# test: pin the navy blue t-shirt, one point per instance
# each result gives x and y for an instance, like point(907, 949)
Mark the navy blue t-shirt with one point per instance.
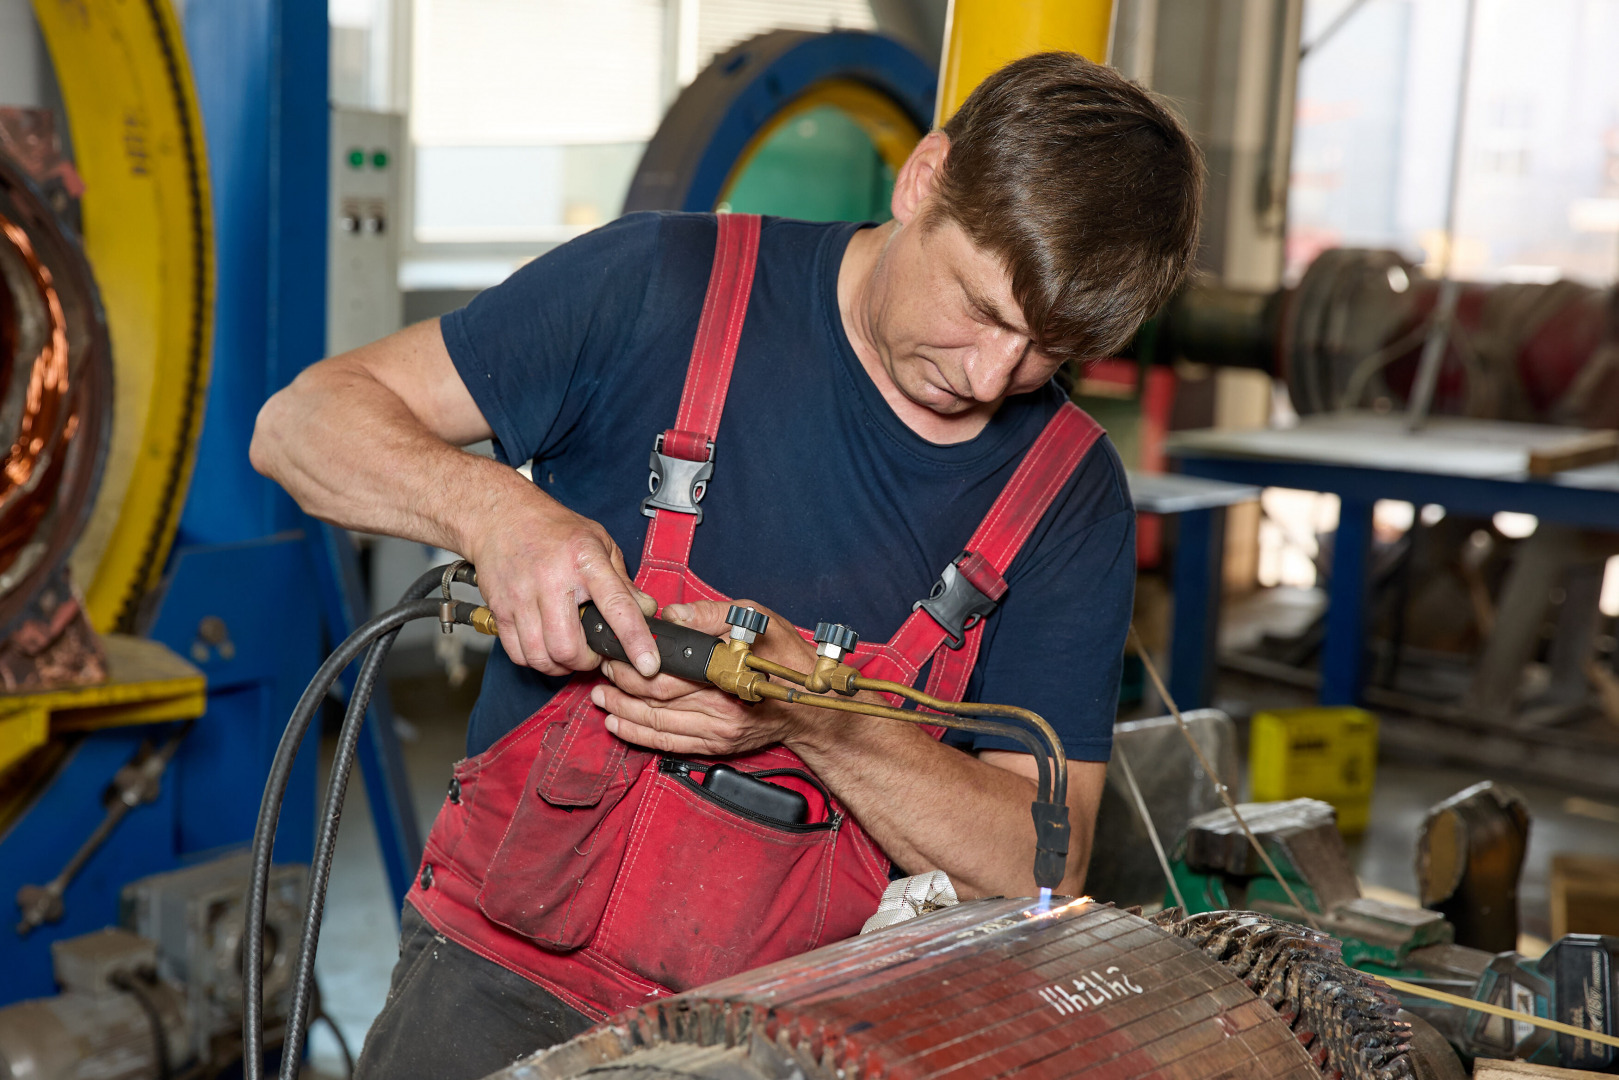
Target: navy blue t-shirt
point(824, 506)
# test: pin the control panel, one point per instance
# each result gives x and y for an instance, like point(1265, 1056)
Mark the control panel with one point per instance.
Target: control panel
point(363, 301)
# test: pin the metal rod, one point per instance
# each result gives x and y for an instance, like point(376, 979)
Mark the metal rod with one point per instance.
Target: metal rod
point(1345, 13)
point(1219, 785)
point(1059, 759)
point(1497, 1010)
point(1152, 830)
point(780, 671)
point(1433, 350)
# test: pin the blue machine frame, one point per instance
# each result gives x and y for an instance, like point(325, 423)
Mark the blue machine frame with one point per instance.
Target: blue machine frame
point(244, 552)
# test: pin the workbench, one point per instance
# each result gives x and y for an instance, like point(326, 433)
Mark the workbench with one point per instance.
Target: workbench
point(1199, 505)
point(1467, 466)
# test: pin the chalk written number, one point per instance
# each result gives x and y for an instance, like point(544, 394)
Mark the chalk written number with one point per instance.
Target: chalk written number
point(1090, 989)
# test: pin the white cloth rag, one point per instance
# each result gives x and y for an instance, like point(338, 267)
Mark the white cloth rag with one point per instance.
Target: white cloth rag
point(909, 897)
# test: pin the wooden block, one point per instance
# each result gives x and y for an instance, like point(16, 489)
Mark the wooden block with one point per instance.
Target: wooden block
point(1488, 1069)
point(1576, 452)
point(1584, 895)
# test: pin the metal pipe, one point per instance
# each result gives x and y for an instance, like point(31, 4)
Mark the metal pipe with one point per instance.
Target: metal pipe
point(1433, 350)
point(975, 708)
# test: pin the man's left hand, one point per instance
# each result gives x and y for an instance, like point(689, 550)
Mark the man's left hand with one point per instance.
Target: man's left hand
point(675, 716)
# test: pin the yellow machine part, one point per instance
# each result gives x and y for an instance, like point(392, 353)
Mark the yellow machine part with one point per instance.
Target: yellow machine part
point(1321, 752)
point(892, 133)
point(984, 35)
point(138, 145)
point(24, 727)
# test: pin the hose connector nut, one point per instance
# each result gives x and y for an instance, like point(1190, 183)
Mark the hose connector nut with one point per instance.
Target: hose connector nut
point(483, 621)
point(446, 616)
point(833, 640)
point(746, 623)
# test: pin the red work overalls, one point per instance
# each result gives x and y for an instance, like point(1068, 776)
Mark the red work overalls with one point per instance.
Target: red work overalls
point(603, 871)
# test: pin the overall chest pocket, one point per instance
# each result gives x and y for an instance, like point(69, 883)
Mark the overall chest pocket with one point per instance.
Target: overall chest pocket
point(552, 873)
point(709, 888)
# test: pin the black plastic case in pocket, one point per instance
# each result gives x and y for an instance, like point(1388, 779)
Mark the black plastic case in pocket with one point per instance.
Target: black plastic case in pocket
point(765, 799)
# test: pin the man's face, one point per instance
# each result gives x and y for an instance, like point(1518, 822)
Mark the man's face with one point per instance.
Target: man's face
point(945, 324)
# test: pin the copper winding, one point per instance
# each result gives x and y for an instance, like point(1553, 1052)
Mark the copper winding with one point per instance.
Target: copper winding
point(49, 417)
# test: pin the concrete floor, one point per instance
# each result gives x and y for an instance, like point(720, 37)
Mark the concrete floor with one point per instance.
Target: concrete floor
point(358, 944)
point(360, 936)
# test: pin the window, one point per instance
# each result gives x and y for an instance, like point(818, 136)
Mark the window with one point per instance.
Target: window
point(1539, 191)
point(528, 117)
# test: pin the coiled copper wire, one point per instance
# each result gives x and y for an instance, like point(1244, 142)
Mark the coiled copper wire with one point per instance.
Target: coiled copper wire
point(49, 419)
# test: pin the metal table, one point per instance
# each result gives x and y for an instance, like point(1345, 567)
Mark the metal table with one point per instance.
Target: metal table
point(1466, 466)
point(1200, 506)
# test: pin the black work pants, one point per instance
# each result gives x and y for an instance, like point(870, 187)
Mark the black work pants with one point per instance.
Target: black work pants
point(452, 1015)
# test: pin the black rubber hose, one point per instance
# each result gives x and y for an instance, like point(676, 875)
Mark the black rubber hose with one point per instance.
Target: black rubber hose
point(137, 987)
point(342, 1043)
point(275, 789)
point(348, 741)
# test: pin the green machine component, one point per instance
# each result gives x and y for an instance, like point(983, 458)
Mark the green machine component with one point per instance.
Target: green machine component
point(1216, 867)
point(1576, 982)
point(792, 124)
point(818, 166)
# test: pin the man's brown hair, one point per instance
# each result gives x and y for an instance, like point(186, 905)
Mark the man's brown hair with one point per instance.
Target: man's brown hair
point(1085, 187)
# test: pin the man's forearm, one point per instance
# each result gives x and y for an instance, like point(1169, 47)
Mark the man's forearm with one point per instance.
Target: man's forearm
point(930, 806)
point(371, 440)
point(351, 452)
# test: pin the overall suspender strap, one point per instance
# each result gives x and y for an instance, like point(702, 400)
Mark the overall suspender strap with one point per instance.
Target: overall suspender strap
point(683, 456)
point(1068, 437)
point(948, 625)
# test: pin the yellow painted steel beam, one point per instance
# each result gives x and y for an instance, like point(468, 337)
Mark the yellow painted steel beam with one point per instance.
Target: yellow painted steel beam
point(984, 35)
point(148, 231)
point(147, 683)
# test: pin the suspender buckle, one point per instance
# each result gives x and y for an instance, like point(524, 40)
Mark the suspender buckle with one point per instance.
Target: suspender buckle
point(965, 594)
point(677, 483)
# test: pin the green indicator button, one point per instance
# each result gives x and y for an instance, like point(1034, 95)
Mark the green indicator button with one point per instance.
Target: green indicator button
point(356, 158)
point(379, 159)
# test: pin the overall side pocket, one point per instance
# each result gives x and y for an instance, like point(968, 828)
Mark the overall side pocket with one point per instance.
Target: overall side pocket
point(553, 871)
point(709, 890)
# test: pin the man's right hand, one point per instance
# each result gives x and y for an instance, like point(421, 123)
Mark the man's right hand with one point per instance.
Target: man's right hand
point(537, 563)
point(368, 440)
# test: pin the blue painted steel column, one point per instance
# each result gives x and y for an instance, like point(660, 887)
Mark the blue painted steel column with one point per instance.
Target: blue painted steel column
point(1343, 654)
point(1194, 635)
point(261, 71)
point(260, 68)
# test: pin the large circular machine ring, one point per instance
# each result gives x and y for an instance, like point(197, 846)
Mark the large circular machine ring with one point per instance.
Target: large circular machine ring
point(749, 93)
point(138, 145)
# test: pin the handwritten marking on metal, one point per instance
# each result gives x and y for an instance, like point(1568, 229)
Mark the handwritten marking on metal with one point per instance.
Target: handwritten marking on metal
point(924, 941)
point(1092, 988)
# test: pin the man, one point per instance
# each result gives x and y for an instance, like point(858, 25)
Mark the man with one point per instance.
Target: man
point(863, 412)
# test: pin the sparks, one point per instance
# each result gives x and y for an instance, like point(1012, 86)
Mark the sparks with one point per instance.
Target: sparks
point(1044, 910)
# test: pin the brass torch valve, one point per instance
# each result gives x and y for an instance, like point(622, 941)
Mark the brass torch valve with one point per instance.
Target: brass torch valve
point(728, 665)
point(833, 641)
